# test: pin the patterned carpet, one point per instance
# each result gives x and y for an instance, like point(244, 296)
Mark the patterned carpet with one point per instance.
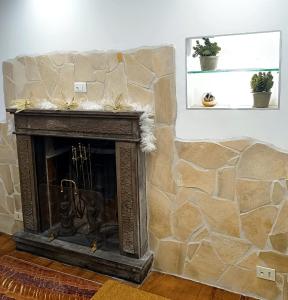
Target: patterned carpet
point(23, 280)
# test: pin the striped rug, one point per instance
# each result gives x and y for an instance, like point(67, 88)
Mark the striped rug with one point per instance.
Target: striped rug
point(23, 280)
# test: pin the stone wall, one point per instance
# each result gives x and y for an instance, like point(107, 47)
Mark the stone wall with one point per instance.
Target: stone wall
point(216, 209)
point(10, 201)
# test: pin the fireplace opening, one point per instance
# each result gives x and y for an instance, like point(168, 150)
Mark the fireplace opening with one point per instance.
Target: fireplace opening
point(76, 183)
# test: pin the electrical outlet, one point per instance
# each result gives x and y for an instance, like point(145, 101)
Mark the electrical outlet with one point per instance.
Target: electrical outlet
point(18, 216)
point(265, 273)
point(80, 87)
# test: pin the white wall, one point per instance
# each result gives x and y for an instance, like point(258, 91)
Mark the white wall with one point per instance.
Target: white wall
point(37, 26)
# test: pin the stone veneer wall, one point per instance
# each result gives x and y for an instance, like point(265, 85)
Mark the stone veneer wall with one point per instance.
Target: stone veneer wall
point(216, 209)
point(10, 201)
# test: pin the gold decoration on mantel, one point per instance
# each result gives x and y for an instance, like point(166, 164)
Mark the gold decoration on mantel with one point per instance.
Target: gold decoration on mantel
point(63, 104)
point(23, 103)
point(117, 105)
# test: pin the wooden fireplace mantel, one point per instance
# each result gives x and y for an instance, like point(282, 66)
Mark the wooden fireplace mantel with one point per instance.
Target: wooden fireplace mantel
point(134, 259)
point(120, 126)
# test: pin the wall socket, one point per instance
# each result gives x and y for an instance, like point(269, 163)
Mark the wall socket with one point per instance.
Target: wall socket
point(265, 273)
point(80, 87)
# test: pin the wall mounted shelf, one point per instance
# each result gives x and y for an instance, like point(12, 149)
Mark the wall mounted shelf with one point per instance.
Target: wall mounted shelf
point(234, 70)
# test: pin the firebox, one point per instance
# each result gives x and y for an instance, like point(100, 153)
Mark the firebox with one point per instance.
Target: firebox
point(82, 178)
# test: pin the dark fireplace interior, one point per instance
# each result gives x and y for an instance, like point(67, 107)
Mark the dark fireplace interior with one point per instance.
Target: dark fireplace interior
point(77, 194)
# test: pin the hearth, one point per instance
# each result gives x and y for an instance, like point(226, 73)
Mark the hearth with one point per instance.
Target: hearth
point(83, 190)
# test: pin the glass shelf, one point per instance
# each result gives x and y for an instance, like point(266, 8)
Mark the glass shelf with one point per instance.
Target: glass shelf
point(235, 70)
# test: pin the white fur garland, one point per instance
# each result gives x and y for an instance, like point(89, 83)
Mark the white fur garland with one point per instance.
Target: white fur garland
point(147, 132)
point(146, 122)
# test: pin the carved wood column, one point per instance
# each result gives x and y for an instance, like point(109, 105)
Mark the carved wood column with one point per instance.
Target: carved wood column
point(132, 213)
point(28, 184)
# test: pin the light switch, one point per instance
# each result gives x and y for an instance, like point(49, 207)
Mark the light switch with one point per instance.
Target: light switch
point(80, 87)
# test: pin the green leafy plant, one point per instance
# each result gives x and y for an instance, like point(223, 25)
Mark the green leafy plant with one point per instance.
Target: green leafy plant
point(262, 82)
point(208, 49)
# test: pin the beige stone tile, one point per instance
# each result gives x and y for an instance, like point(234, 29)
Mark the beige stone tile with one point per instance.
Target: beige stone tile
point(8, 69)
point(31, 68)
point(116, 83)
point(189, 176)
point(136, 73)
point(257, 224)
point(163, 61)
point(7, 223)
point(238, 145)
point(95, 91)
point(140, 95)
point(200, 234)
point(9, 91)
point(7, 155)
point(165, 100)
point(205, 154)
point(275, 260)
point(98, 59)
point(5, 175)
point(112, 61)
point(281, 225)
point(226, 183)
point(10, 205)
point(153, 242)
point(250, 261)
point(165, 145)
point(264, 289)
point(84, 70)
point(37, 90)
point(191, 249)
point(205, 265)
point(15, 174)
point(160, 174)
point(19, 77)
point(245, 281)
point(159, 60)
point(61, 58)
point(235, 279)
point(229, 249)
point(18, 226)
point(222, 216)
point(278, 193)
point(233, 161)
point(186, 219)
point(17, 188)
point(159, 213)
point(17, 201)
point(145, 57)
point(100, 75)
point(65, 84)
point(279, 241)
point(170, 256)
point(262, 162)
point(48, 73)
point(252, 194)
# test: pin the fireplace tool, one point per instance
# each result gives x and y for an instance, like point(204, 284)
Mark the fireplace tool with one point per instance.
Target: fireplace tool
point(82, 168)
point(78, 204)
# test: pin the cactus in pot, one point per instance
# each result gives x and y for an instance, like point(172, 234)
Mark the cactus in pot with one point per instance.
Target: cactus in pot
point(261, 85)
point(207, 53)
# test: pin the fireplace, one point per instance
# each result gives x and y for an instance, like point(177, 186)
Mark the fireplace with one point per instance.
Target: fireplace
point(83, 187)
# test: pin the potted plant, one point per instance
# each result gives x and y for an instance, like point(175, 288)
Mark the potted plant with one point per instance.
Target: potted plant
point(261, 85)
point(207, 53)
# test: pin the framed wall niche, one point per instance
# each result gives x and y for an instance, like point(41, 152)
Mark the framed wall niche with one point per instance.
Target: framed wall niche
point(228, 80)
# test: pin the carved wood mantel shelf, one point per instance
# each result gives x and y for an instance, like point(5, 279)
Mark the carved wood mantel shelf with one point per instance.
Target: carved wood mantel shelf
point(134, 260)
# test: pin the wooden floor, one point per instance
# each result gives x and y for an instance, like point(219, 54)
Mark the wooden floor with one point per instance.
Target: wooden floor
point(168, 286)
